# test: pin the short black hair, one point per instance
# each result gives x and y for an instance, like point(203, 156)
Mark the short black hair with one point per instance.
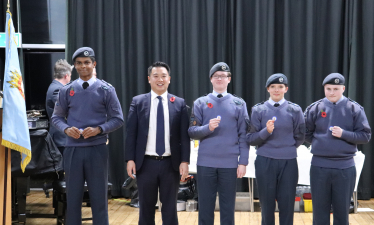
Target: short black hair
point(158, 64)
point(91, 57)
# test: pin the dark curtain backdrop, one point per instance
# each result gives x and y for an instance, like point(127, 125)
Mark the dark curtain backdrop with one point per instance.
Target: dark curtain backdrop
point(304, 39)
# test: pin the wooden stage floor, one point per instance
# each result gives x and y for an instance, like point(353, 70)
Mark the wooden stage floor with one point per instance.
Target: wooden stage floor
point(122, 214)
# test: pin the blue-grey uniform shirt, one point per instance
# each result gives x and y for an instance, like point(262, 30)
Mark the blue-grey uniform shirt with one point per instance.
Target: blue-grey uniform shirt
point(288, 133)
point(329, 151)
point(222, 147)
point(98, 105)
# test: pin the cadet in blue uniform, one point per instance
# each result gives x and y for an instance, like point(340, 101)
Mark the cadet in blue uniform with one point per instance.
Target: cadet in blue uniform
point(334, 127)
point(219, 120)
point(277, 128)
point(92, 110)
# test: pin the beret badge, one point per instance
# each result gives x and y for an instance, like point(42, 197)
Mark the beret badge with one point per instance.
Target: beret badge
point(281, 79)
point(86, 53)
point(223, 67)
point(337, 81)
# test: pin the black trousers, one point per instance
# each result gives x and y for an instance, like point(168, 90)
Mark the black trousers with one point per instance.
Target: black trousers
point(152, 176)
point(86, 164)
point(61, 149)
point(276, 180)
point(331, 187)
point(210, 181)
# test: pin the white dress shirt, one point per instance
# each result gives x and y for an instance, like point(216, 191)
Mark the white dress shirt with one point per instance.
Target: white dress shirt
point(335, 103)
point(151, 142)
point(216, 93)
point(273, 102)
point(90, 81)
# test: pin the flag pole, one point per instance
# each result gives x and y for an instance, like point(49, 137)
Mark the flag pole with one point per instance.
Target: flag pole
point(5, 181)
point(5, 186)
point(6, 215)
point(5, 176)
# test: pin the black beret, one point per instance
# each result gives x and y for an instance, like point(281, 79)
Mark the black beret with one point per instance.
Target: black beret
point(334, 78)
point(277, 78)
point(221, 66)
point(83, 52)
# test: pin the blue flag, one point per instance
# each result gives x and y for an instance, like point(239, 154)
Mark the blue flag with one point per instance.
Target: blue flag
point(15, 127)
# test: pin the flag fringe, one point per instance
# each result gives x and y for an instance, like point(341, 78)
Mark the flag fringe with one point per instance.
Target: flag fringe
point(20, 149)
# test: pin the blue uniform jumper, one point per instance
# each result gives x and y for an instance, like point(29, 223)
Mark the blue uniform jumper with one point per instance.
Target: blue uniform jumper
point(276, 164)
point(218, 154)
point(333, 171)
point(87, 159)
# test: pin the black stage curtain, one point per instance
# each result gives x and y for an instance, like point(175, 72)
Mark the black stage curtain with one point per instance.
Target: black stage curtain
point(304, 39)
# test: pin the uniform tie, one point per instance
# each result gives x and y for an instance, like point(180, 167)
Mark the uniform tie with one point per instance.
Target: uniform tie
point(276, 104)
point(219, 96)
point(160, 132)
point(85, 85)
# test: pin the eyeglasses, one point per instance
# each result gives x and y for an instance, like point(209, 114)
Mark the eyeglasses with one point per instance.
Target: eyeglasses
point(220, 77)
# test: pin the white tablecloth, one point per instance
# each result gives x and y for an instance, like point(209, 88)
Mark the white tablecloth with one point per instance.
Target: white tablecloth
point(303, 161)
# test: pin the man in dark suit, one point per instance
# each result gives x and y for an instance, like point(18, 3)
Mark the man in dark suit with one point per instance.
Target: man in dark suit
point(158, 146)
point(62, 75)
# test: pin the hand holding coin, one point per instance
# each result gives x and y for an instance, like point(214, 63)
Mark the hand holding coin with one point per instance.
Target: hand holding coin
point(213, 123)
point(337, 131)
point(270, 126)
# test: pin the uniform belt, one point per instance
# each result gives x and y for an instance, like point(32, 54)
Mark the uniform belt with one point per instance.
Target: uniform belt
point(156, 157)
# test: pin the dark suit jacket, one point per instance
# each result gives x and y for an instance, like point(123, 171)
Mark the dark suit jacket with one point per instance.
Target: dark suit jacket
point(138, 124)
point(58, 136)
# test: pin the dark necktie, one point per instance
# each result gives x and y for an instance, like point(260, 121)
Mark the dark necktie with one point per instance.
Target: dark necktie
point(276, 104)
point(160, 132)
point(219, 96)
point(85, 85)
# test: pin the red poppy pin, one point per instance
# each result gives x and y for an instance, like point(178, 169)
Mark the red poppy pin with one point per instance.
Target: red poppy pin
point(210, 105)
point(71, 91)
point(172, 99)
point(323, 113)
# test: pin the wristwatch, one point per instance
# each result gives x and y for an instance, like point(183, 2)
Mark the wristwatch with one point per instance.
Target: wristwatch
point(101, 129)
